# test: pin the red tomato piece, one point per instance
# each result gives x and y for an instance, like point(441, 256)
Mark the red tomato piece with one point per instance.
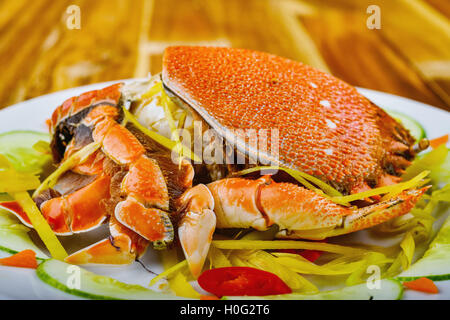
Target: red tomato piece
point(241, 281)
point(311, 255)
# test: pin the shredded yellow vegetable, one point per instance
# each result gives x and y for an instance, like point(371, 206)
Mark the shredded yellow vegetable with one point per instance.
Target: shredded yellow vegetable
point(371, 259)
point(167, 104)
point(16, 185)
point(182, 287)
point(158, 87)
point(404, 258)
point(265, 261)
point(169, 258)
point(284, 244)
point(430, 161)
point(408, 247)
point(396, 188)
point(4, 163)
point(413, 183)
point(169, 144)
point(301, 265)
point(182, 120)
point(442, 194)
point(40, 225)
point(218, 259)
point(169, 272)
point(42, 147)
point(173, 128)
point(175, 275)
point(77, 158)
point(13, 181)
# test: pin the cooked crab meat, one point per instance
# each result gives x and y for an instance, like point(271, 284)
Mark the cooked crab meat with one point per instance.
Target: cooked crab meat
point(326, 129)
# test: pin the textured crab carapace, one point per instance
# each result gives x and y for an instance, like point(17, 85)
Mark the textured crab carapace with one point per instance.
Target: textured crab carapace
point(326, 129)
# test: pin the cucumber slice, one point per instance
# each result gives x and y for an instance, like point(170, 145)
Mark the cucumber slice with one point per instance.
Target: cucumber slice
point(435, 263)
point(17, 147)
point(93, 286)
point(14, 241)
point(415, 129)
point(389, 290)
point(14, 236)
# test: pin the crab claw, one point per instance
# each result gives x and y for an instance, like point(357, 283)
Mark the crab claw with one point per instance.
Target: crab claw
point(197, 226)
point(370, 216)
point(151, 223)
point(363, 218)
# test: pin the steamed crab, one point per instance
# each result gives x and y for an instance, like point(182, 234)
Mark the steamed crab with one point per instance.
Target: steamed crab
point(326, 129)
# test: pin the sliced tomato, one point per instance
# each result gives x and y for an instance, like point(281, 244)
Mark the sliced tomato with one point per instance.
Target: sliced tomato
point(241, 281)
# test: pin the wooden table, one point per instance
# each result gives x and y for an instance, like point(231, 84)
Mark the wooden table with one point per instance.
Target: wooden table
point(409, 55)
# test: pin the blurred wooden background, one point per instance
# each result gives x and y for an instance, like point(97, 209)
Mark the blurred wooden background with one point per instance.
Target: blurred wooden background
point(409, 56)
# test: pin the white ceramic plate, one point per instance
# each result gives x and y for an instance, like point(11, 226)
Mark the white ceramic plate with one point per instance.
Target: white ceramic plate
point(16, 283)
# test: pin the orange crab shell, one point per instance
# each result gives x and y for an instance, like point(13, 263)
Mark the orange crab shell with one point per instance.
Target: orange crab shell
point(75, 104)
point(326, 128)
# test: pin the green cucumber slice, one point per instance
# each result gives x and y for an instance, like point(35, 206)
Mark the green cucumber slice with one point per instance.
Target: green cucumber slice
point(14, 241)
point(17, 147)
point(415, 129)
point(389, 290)
point(14, 236)
point(92, 286)
point(435, 263)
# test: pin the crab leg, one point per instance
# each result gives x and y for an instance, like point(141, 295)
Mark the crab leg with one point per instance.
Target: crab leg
point(144, 185)
point(197, 226)
point(299, 213)
point(123, 247)
point(362, 218)
point(138, 215)
point(141, 216)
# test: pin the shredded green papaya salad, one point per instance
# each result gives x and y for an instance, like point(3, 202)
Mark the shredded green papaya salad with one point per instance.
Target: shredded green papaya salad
point(245, 263)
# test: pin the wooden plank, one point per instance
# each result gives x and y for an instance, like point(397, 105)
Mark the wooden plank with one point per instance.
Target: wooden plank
point(10, 11)
point(121, 39)
point(387, 59)
point(422, 36)
point(442, 6)
point(264, 25)
point(104, 49)
point(20, 43)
